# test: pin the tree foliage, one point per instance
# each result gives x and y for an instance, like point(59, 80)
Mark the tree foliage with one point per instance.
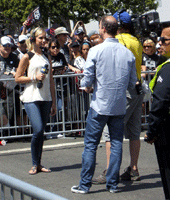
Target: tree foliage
point(15, 12)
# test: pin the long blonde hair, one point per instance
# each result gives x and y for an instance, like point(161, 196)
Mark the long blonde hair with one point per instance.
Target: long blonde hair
point(34, 33)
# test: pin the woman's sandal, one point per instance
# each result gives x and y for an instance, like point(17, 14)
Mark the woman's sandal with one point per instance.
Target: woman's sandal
point(34, 170)
point(43, 169)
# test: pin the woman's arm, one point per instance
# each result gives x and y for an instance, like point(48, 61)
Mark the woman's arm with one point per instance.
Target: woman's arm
point(74, 69)
point(74, 29)
point(143, 68)
point(83, 26)
point(24, 31)
point(23, 65)
point(52, 89)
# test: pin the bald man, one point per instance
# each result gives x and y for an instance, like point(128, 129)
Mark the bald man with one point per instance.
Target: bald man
point(134, 100)
point(110, 68)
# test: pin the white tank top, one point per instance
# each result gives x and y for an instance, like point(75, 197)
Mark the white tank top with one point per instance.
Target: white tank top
point(31, 92)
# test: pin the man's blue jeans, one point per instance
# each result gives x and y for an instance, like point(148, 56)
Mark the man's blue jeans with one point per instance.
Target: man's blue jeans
point(94, 127)
point(38, 114)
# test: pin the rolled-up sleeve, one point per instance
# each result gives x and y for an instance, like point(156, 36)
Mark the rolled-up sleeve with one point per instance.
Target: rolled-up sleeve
point(89, 69)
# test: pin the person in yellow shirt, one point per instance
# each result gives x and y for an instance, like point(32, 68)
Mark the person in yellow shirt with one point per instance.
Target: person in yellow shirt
point(133, 44)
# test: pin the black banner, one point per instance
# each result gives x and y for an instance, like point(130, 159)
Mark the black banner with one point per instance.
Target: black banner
point(33, 17)
point(51, 30)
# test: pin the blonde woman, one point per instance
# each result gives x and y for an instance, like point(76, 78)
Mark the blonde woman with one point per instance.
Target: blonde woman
point(39, 94)
point(150, 60)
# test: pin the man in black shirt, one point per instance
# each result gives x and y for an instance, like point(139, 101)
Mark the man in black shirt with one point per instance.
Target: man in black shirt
point(8, 64)
point(159, 117)
point(22, 47)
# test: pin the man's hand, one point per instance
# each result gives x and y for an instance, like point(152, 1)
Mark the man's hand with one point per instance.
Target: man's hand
point(149, 141)
point(88, 89)
point(53, 109)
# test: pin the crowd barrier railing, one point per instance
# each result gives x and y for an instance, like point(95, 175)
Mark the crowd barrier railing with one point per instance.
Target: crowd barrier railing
point(147, 101)
point(72, 108)
point(12, 188)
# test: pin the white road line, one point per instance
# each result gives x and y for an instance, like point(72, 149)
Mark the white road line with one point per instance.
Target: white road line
point(48, 147)
point(44, 147)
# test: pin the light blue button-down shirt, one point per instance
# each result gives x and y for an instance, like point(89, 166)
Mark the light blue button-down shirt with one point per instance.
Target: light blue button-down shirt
point(110, 68)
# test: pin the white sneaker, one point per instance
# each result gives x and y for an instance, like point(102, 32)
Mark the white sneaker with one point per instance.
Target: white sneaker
point(113, 190)
point(78, 190)
point(60, 135)
point(49, 137)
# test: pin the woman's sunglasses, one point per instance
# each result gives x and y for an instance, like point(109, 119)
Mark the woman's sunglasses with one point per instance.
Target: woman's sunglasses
point(147, 46)
point(53, 47)
point(162, 39)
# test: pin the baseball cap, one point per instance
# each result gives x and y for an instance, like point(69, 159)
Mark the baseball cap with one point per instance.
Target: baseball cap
point(15, 36)
point(22, 38)
point(78, 31)
point(75, 43)
point(6, 40)
point(92, 32)
point(124, 17)
point(60, 30)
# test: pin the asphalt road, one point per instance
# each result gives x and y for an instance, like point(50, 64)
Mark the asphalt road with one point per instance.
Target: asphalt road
point(63, 157)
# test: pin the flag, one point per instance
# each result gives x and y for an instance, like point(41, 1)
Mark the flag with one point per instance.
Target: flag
point(51, 30)
point(33, 17)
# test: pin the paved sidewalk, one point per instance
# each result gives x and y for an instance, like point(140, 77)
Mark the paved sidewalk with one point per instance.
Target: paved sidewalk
point(63, 157)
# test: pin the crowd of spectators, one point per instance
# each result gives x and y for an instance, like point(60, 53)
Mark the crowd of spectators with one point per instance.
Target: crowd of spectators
point(68, 53)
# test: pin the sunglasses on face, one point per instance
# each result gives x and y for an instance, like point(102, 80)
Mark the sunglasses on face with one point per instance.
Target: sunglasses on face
point(147, 46)
point(22, 42)
point(53, 47)
point(6, 45)
point(162, 39)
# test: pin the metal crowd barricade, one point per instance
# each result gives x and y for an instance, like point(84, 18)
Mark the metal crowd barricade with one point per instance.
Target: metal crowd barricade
point(72, 108)
point(12, 188)
point(147, 101)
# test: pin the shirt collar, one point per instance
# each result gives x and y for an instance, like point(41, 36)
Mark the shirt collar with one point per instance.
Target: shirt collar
point(111, 40)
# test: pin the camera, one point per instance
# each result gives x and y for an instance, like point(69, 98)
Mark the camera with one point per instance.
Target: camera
point(146, 23)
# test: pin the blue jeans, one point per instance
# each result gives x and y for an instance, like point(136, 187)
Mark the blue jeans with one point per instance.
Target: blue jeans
point(94, 127)
point(38, 114)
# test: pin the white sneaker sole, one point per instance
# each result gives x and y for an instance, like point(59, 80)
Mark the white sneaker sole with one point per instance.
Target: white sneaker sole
point(78, 191)
point(114, 191)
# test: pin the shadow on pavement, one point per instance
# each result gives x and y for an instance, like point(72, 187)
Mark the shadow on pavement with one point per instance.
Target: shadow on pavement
point(57, 169)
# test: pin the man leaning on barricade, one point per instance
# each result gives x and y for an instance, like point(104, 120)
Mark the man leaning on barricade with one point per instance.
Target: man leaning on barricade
point(8, 64)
